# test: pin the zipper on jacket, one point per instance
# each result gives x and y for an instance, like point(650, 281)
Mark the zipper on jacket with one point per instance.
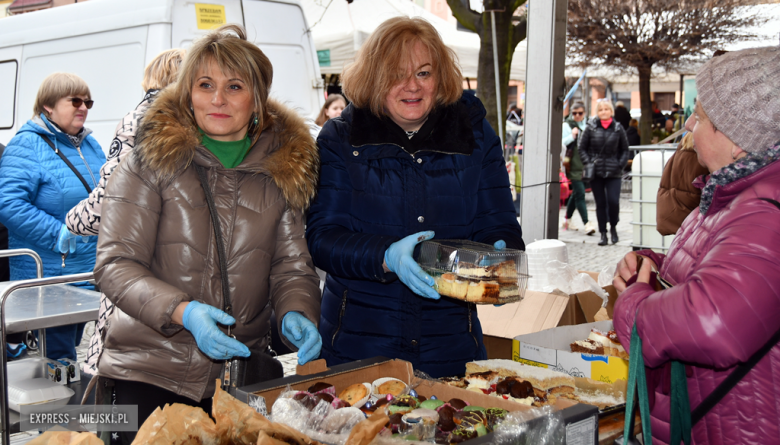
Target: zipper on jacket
point(404, 150)
point(94, 183)
point(476, 343)
point(341, 316)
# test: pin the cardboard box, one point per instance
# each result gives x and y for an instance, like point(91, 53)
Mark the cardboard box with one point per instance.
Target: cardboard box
point(341, 376)
point(536, 312)
point(550, 349)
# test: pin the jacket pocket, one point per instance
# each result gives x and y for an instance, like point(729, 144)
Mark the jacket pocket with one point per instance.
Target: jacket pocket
point(341, 317)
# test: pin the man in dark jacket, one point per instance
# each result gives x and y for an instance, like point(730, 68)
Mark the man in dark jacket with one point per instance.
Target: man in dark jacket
point(622, 114)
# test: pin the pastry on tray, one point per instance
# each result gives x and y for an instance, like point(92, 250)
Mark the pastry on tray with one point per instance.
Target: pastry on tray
point(354, 393)
point(394, 387)
point(551, 382)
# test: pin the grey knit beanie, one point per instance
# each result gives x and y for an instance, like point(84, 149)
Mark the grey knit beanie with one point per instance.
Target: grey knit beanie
point(740, 93)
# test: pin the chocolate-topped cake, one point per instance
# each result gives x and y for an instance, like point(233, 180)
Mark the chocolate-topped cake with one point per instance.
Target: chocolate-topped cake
point(319, 386)
point(495, 415)
point(462, 435)
point(521, 390)
point(306, 400)
point(446, 413)
point(457, 403)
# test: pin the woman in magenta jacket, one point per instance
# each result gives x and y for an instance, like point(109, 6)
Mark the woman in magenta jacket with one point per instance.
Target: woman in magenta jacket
point(724, 262)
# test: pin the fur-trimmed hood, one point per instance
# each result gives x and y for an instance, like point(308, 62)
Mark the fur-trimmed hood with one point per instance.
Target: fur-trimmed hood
point(168, 144)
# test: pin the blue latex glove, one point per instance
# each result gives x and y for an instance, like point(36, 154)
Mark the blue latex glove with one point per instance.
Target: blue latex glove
point(201, 320)
point(66, 241)
point(398, 258)
point(303, 334)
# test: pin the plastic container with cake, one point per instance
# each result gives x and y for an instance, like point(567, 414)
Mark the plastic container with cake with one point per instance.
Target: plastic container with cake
point(474, 272)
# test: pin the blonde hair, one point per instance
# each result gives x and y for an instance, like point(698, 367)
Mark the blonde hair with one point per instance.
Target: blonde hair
point(228, 47)
point(323, 117)
point(382, 60)
point(163, 69)
point(56, 86)
point(606, 102)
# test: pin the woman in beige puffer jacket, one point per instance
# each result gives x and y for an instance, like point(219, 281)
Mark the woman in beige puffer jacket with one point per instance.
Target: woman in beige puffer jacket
point(157, 245)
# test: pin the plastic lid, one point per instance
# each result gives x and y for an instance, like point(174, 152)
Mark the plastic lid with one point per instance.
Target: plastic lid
point(545, 244)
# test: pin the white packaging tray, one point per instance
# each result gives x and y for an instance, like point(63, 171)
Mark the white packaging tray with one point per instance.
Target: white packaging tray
point(38, 391)
point(27, 384)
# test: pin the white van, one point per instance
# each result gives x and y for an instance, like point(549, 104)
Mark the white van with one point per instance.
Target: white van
point(109, 42)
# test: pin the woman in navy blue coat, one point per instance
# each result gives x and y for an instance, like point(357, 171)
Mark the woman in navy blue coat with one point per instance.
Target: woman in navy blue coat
point(37, 188)
point(411, 158)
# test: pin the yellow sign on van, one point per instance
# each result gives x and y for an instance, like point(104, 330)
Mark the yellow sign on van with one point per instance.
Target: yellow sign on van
point(210, 16)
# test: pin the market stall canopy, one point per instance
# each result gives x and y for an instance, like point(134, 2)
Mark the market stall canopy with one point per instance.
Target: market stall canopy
point(340, 28)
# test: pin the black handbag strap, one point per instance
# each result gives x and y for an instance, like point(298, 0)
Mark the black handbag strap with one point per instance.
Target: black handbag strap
point(62, 156)
point(739, 372)
point(226, 305)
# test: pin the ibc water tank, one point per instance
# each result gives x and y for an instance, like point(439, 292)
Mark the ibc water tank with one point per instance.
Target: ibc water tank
point(646, 172)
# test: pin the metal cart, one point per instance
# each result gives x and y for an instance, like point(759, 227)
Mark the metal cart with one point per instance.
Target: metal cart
point(35, 305)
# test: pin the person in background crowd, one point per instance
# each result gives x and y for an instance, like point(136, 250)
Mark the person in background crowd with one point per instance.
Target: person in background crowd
point(604, 142)
point(411, 157)
point(84, 218)
point(572, 128)
point(658, 115)
point(515, 114)
point(677, 196)
point(334, 105)
point(5, 272)
point(723, 264)
point(214, 132)
point(37, 188)
point(677, 116)
point(632, 133)
point(668, 127)
point(622, 114)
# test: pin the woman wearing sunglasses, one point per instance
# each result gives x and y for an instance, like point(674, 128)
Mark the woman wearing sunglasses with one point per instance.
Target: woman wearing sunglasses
point(37, 188)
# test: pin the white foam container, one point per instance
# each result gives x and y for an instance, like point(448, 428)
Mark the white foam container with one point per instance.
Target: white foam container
point(28, 385)
point(538, 254)
point(37, 392)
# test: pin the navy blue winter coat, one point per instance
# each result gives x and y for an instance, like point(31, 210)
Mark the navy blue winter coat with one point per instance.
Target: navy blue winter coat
point(37, 189)
point(376, 187)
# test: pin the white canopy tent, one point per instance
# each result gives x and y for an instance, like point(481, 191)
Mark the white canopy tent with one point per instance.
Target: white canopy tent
point(340, 28)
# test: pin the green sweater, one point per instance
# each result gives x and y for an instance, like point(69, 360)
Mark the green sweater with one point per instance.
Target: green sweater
point(575, 163)
point(230, 154)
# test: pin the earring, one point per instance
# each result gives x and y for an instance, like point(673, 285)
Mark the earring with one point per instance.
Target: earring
point(192, 110)
point(255, 120)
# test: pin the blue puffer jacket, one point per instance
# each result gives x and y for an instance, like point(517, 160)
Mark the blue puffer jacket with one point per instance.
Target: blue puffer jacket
point(37, 189)
point(377, 186)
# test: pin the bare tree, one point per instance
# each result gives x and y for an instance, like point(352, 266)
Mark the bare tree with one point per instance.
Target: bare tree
point(511, 29)
point(639, 34)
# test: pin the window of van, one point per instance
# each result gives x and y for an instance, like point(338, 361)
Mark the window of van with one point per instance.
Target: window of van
point(8, 70)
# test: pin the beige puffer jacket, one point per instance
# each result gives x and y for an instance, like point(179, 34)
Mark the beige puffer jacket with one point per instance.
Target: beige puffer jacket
point(156, 247)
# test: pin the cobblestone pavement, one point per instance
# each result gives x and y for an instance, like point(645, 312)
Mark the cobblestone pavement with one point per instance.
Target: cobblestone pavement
point(584, 251)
